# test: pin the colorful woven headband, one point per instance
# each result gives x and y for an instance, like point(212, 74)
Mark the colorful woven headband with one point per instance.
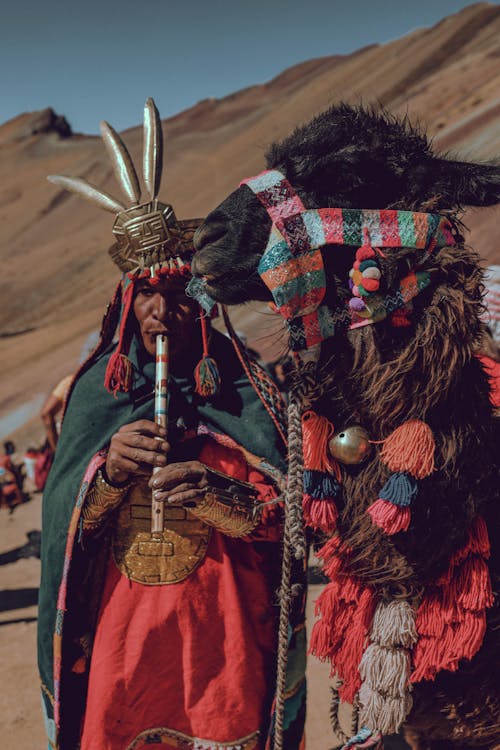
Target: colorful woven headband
point(292, 265)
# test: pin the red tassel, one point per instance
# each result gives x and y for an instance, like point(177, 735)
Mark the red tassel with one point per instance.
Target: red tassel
point(316, 432)
point(346, 661)
point(473, 585)
point(206, 374)
point(451, 619)
point(478, 543)
point(390, 518)
point(320, 514)
point(431, 655)
point(410, 448)
point(346, 609)
point(119, 371)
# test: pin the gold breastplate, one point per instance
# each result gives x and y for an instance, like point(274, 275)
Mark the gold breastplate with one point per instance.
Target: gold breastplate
point(157, 562)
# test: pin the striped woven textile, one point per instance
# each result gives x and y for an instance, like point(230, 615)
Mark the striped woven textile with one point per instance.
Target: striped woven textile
point(292, 265)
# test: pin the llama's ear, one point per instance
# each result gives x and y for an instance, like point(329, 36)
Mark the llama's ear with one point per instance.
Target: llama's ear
point(461, 183)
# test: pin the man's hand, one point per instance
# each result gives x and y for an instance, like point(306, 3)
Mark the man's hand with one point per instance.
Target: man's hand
point(179, 482)
point(135, 449)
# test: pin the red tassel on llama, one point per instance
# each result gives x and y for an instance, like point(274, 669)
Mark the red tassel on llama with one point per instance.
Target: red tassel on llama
point(346, 609)
point(321, 477)
point(451, 619)
point(409, 453)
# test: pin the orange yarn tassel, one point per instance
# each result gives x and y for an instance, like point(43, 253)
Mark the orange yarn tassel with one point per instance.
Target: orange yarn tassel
point(390, 518)
point(410, 448)
point(316, 432)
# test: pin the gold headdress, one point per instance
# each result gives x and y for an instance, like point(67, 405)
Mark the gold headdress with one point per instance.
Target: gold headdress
point(148, 235)
point(150, 242)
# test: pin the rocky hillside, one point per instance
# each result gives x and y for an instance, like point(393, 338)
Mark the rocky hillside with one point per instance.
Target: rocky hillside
point(54, 246)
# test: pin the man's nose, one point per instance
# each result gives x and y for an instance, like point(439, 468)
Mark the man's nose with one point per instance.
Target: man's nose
point(160, 306)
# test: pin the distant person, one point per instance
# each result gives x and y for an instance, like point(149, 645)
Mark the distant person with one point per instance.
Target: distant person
point(52, 409)
point(10, 479)
point(53, 406)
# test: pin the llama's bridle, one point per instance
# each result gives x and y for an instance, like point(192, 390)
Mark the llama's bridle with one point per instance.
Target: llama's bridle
point(292, 265)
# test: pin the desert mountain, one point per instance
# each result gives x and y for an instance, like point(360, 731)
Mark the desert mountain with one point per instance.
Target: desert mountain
point(54, 245)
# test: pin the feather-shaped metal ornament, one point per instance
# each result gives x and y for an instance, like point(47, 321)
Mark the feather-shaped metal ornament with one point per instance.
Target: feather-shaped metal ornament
point(148, 235)
point(88, 191)
point(121, 162)
point(153, 149)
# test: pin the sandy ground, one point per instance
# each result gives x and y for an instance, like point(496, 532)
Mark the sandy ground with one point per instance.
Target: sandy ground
point(21, 723)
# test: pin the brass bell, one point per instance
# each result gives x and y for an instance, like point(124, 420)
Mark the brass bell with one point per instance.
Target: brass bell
point(351, 446)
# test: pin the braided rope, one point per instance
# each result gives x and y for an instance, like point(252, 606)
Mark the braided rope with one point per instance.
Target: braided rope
point(334, 715)
point(355, 716)
point(294, 544)
point(285, 599)
point(293, 508)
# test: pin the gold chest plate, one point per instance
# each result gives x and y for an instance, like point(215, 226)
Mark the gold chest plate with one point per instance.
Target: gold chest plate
point(156, 562)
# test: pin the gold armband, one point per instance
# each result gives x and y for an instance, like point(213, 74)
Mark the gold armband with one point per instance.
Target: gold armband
point(225, 514)
point(101, 499)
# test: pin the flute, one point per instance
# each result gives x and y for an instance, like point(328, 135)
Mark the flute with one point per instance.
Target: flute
point(161, 418)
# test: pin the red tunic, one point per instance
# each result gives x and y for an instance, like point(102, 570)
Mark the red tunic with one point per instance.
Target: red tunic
point(196, 658)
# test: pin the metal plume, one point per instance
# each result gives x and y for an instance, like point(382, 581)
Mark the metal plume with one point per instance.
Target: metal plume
point(153, 149)
point(89, 192)
point(122, 163)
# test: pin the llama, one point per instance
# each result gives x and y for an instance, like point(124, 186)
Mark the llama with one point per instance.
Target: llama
point(353, 234)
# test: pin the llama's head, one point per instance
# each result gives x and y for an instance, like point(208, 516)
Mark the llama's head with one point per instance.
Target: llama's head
point(349, 158)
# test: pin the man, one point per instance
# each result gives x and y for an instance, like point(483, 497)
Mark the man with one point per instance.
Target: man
point(165, 640)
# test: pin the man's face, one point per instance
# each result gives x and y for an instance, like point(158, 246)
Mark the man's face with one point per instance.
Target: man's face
point(164, 308)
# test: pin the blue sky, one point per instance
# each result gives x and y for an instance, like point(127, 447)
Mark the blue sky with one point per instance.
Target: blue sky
point(93, 59)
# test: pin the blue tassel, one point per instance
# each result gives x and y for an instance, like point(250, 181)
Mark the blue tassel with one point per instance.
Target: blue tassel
point(320, 485)
point(400, 489)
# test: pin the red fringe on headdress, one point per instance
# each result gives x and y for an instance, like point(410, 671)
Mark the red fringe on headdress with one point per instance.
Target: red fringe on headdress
point(451, 620)
point(119, 371)
point(410, 448)
point(346, 610)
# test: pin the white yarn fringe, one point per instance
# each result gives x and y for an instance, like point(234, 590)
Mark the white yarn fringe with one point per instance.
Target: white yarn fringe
point(384, 695)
